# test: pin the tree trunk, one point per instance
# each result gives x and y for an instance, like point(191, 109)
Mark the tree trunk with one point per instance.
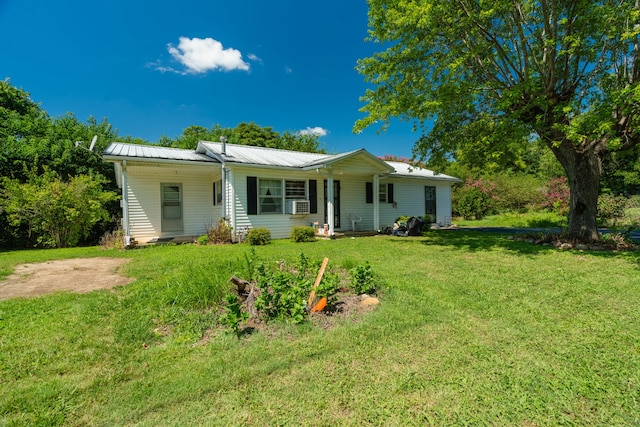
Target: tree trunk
point(583, 170)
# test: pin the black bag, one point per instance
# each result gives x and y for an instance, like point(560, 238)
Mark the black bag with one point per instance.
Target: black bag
point(414, 226)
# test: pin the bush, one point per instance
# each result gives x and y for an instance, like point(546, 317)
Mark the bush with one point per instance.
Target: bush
point(259, 236)
point(556, 197)
point(517, 193)
point(203, 240)
point(113, 239)
point(475, 199)
point(362, 279)
point(611, 208)
point(219, 233)
point(303, 234)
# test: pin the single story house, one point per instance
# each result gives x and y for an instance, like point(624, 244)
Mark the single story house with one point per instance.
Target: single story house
point(171, 193)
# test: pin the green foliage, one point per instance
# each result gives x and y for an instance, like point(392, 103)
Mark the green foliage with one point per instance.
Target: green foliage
point(474, 199)
point(303, 234)
point(284, 293)
point(362, 281)
point(259, 236)
point(478, 80)
point(113, 239)
point(557, 196)
point(203, 239)
point(516, 193)
point(58, 213)
point(234, 315)
point(245, 134)
point(611, 208)
point(219, 234)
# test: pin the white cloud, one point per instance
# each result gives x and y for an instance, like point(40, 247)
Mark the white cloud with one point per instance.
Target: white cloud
point(314, 131)
point(202, 55)
point(288, 70)
point(255, 58)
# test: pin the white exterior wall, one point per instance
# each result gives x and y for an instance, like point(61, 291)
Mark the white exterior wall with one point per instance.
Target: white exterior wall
point(144, 191)
point(409, 195)
point(280, 225)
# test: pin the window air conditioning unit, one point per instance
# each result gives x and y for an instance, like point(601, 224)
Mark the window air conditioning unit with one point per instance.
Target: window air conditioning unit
point(298, 207)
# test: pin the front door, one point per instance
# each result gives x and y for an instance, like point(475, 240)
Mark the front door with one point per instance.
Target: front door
point(430, 202)
point(171, 207)
point(336, 203)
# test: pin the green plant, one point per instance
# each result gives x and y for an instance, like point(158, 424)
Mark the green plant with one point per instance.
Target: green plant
point(234, 315)
point(259, 236)
point(203, 239)
point(112, 239)
point(362, 279)
point(58, 212)
point(611, 208)
point(220, 233)
point(303, 234)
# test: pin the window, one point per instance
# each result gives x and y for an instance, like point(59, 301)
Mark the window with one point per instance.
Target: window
point(295, 190)
point(171, 199)
point(382, 193)
point(217, 193)
point(270, 195)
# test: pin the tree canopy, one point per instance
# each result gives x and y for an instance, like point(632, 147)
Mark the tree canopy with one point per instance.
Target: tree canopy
point(491, 77)
point(245, 134)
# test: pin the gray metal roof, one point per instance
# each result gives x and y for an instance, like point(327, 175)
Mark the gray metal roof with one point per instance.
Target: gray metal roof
point(407, 170)
point(149, 152)
point(246, 154)
point(262, 156)
point(211, 152)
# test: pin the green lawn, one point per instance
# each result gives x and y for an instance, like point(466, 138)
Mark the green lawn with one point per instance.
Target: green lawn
point(473, 329)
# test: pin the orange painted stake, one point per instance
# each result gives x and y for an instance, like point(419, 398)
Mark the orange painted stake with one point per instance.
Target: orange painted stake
point(312, 296)
point(320, 305)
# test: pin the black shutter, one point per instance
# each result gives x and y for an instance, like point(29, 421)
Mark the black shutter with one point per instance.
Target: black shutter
point(215, 194)
point(369, 192)
point(313, 196)
point(252, 195)
point(389, 193)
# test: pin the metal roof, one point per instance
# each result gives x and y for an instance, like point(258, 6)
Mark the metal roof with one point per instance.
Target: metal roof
point(211, 152)
point(262, 156)
point(247, 154)
point(149, 152)
point(407, 170)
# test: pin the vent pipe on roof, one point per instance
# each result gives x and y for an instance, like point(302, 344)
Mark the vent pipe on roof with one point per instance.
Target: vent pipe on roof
point(223, 139)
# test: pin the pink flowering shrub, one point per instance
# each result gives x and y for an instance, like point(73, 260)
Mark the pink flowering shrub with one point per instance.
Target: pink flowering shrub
point(557, 196)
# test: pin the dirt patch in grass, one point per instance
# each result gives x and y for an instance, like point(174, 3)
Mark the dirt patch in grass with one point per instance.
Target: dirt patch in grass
point(79, 275)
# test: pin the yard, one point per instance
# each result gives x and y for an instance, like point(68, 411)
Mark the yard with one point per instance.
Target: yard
point(473, 328)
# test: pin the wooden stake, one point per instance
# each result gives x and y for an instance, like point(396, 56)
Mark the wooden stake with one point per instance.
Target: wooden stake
point(312, 296)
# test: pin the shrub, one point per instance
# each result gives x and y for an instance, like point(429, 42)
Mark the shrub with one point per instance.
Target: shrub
point(556, 197)
point(475, 199)
point(362, 279)
point(113, 239)
point(284, 292)
point(517, 193)
point(59, 213)
point(303, 234)
point(220, 233)
point(259, 236)
point(611, 208)
point(203, 240)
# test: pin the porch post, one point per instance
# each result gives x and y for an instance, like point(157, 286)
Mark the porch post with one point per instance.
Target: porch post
point(330, 196)
point(376, 202)
point(125, 206)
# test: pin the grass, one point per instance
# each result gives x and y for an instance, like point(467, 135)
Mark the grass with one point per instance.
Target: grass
point(517, 220)
point(473, 329)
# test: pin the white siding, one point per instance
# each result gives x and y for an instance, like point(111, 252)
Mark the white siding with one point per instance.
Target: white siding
point(409, 195)
point(280, 225)
point(145, 200)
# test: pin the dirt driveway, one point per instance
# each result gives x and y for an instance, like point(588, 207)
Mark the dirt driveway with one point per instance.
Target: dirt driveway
point(73, 275)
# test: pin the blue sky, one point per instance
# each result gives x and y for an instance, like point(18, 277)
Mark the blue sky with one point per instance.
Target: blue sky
point(156, 67)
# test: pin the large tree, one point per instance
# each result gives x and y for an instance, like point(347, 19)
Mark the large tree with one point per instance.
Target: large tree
point(500, 72)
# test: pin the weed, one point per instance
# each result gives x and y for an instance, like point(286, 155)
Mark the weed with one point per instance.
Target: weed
point(233, 316)
point(362, 279)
